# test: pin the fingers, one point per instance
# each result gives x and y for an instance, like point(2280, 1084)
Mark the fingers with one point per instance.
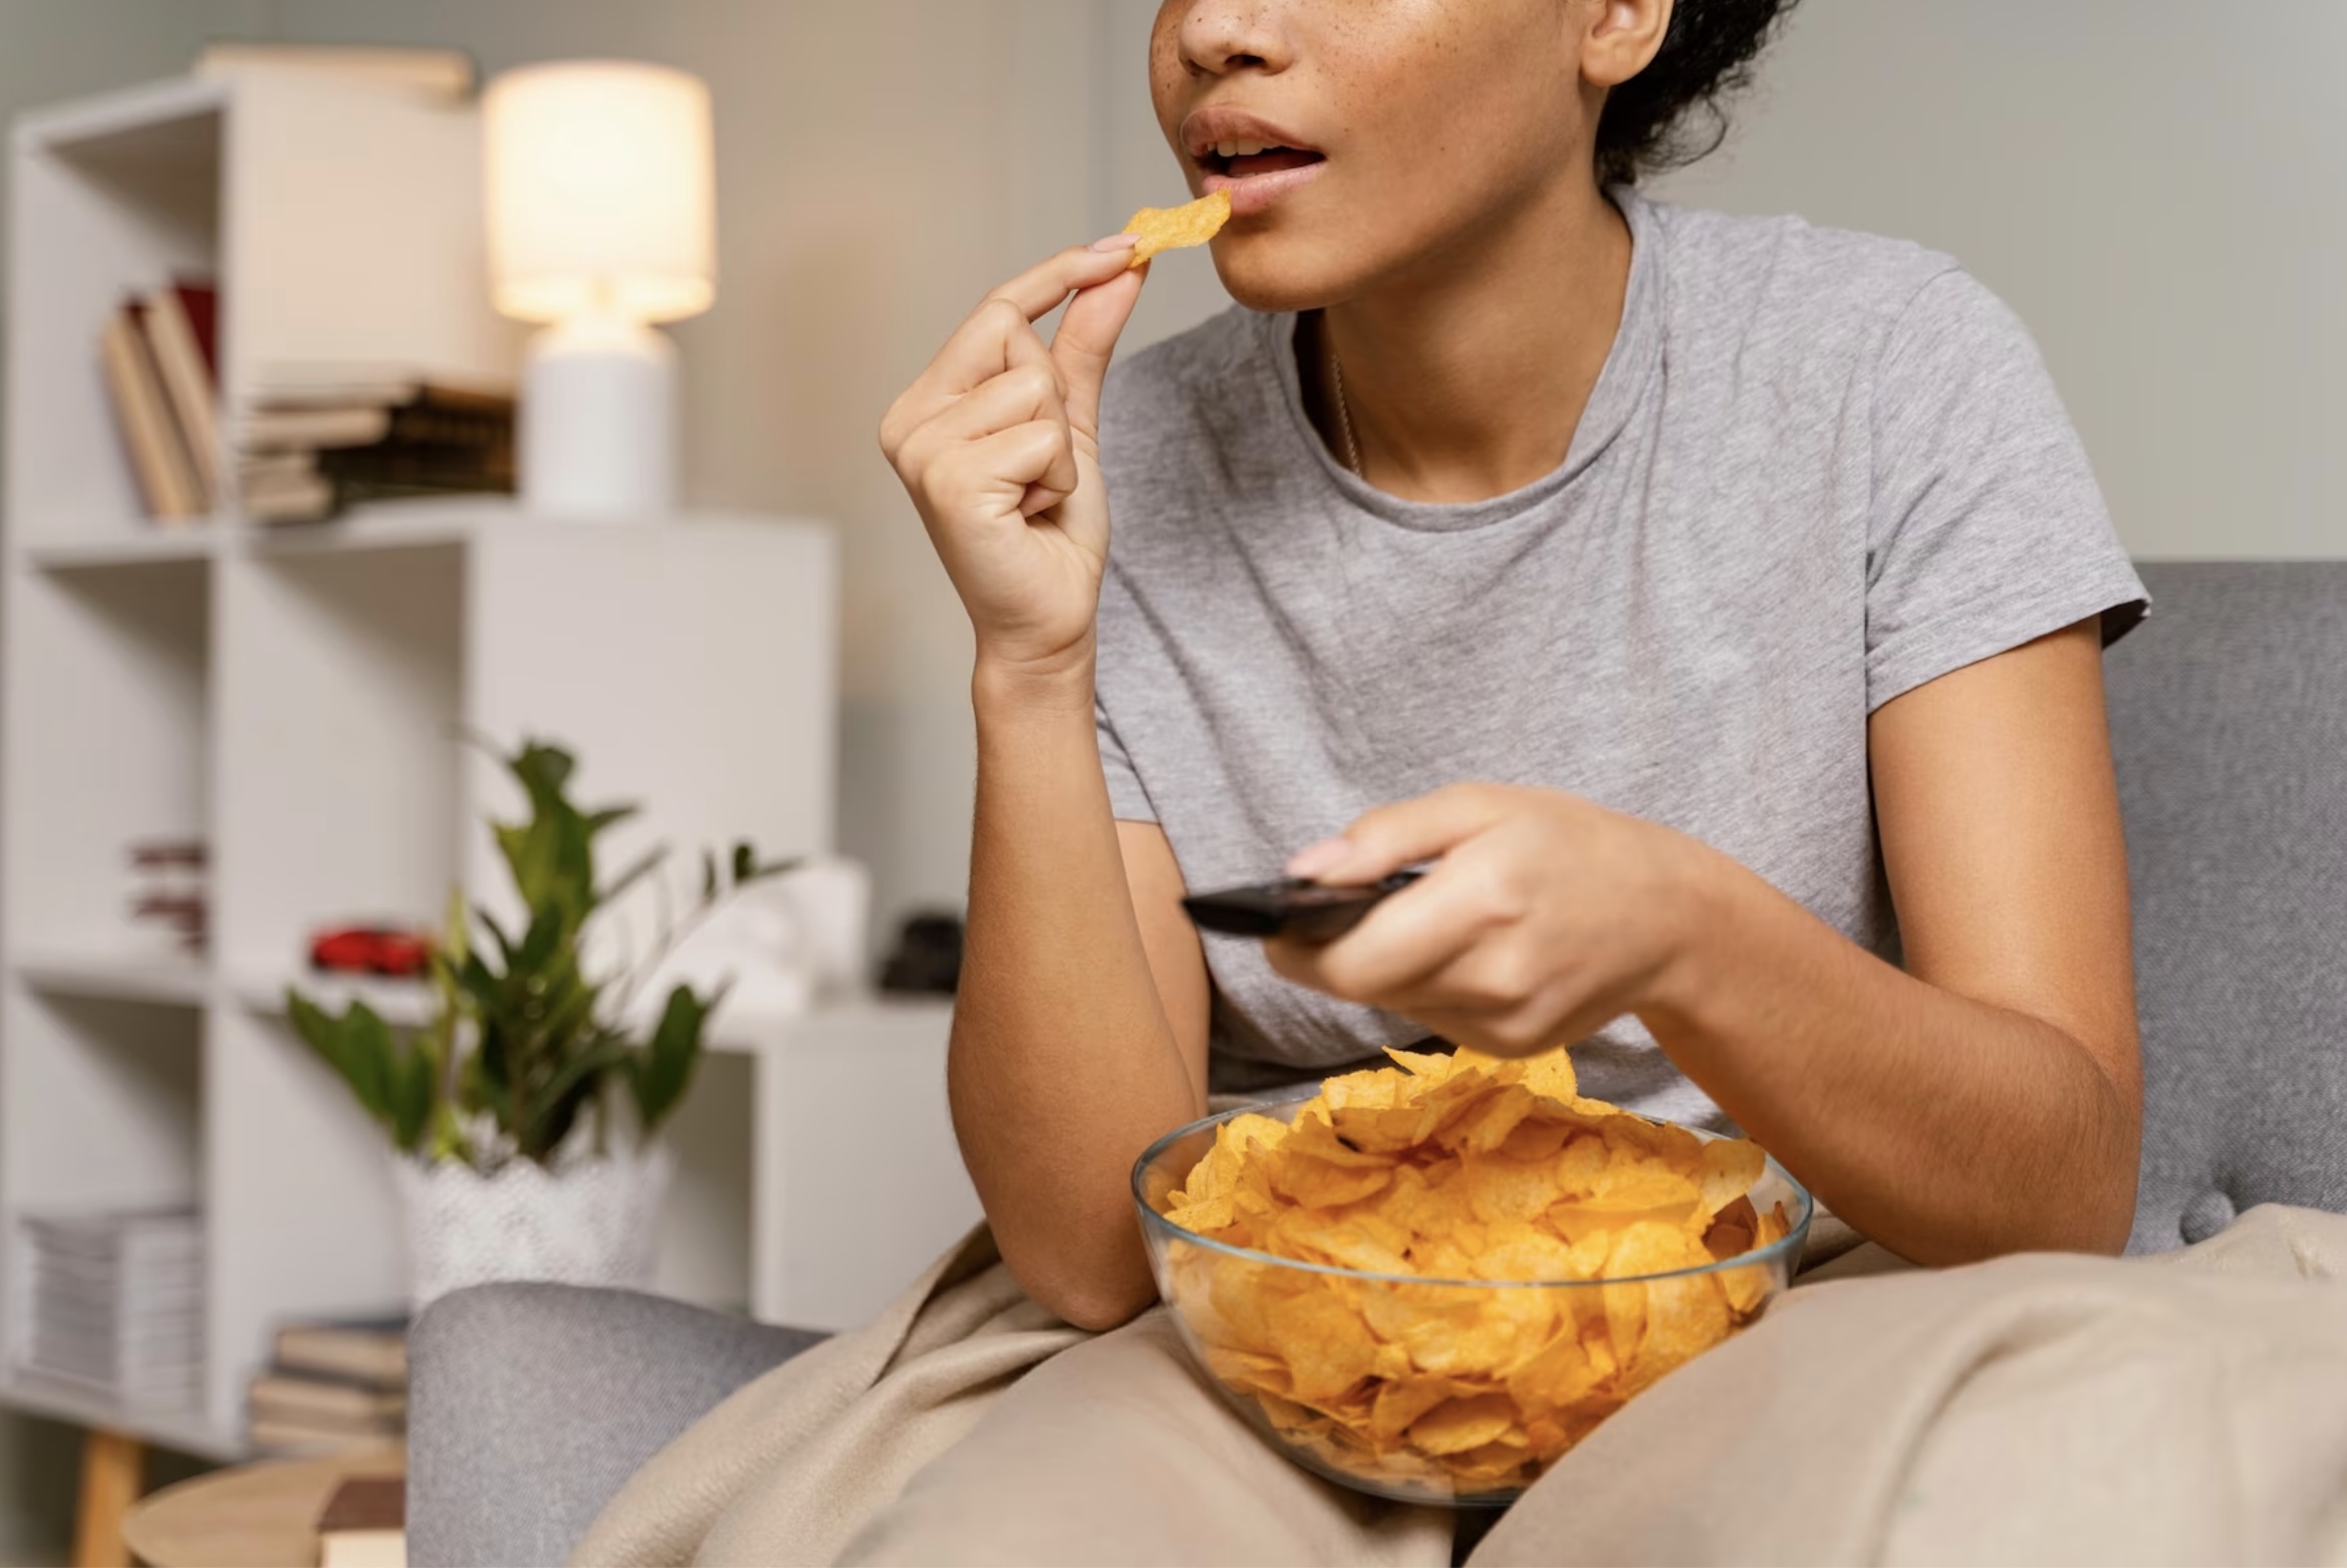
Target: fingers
point(993, 340)
point(1405, 941)
point(1087, 341)
point(1000, 335)
point(994, 475)
point(1381, 841)
point(1024, 394)
point(1039, 289)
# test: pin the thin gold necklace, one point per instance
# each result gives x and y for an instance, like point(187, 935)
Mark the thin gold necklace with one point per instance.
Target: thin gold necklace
point(1335, 375)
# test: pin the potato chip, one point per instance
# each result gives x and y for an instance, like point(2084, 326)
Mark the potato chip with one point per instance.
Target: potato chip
point(1684, 1317)
point(1462, 1167)
point(1732, 1230)
point(1499, 1188)
point(1728, 1167)
point(1319, 1183)
point(1327, 1347)
point(1456, 1425)
point(1173, 228)
point(1402, 1401)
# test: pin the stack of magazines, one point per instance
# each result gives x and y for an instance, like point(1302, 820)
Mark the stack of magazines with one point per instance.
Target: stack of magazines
point(113, 1305)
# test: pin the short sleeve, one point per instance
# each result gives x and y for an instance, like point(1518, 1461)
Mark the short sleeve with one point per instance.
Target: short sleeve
point(1128, 801)
point(1987, 529)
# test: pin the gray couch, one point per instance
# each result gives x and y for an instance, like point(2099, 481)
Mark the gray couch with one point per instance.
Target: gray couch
point(532, 1404)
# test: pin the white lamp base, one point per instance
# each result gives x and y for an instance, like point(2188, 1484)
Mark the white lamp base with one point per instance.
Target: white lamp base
point(597, 423)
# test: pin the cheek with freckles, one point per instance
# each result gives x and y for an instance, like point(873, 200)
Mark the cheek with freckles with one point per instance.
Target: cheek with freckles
point(1440, 117)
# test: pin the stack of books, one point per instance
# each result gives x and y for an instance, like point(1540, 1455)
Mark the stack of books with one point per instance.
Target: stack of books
point(330, 1387)
point(315, 441)
point(113, 1305)
point(171, 891)
point(161, 352)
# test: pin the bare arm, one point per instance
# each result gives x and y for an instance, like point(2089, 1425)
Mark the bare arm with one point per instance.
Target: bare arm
point(1079, 1034)
point(1080, 1031)
point(1986, 1099)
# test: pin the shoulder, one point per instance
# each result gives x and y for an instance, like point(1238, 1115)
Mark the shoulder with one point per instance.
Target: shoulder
point(1787, 267)
point(1888, 312)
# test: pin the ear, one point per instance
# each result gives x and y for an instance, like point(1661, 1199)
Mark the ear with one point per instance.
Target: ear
point(1623, 40)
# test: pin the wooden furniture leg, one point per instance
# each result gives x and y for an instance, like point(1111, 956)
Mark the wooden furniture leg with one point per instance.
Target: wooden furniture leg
point(114, 1467)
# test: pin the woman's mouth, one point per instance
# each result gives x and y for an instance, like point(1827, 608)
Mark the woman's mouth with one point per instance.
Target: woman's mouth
point(1258, 173)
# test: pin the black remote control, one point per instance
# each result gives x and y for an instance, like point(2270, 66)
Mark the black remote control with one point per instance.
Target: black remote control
point(1304, 909)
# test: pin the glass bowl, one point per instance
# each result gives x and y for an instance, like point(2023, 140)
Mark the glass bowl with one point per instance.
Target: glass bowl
point(1434, 1391)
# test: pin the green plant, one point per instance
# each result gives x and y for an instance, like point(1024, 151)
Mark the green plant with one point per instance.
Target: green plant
point(523, 1043)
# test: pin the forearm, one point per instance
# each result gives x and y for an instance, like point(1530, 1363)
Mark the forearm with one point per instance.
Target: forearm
point(1945, 1127)
point(1063, 1067)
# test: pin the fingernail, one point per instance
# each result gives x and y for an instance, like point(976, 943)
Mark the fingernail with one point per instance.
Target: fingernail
point(1314, 859)
point(1117, 242)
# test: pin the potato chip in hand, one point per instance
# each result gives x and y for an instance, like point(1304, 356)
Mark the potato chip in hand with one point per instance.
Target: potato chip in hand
point(1177, 229)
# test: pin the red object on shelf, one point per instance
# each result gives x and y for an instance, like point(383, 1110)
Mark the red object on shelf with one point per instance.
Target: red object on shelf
point(372, 949)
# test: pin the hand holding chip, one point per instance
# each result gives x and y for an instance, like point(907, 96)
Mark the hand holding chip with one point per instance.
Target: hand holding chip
point(1546, 917)
point(997, 442)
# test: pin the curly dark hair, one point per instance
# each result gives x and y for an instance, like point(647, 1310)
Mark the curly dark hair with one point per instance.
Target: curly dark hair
point(1669, 113)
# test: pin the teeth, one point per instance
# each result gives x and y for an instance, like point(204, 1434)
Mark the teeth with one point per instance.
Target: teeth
point(1227, 150)
point(1250, 149)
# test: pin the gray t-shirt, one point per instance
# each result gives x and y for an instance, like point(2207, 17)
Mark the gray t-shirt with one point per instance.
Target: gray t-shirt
point(1818, 470)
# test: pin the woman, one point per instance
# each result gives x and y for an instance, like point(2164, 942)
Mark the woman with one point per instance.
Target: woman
point(1717, 603)
point(1680, 530)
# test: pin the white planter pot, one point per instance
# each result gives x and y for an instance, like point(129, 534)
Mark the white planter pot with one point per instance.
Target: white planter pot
point(592, 1222)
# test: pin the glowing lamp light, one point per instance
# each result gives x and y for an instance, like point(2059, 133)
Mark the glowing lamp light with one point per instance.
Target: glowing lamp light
point(602, 221)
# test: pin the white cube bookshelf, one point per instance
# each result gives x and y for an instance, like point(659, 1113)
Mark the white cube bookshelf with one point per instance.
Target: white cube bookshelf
point(297, 697)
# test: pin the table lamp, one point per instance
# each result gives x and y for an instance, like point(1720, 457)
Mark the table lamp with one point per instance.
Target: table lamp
point(602, 221)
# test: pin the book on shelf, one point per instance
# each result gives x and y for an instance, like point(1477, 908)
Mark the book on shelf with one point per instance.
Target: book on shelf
point(328, 1400)
point(423, 464)
point(111, 1306)
point(371, 1352)
point(365, 1523)
point(433, 72)
point(290, 1413)
point(292, 385)
point(310, 427)
point(182, 323)
point(288, 498)
point(171, 889)
point(311, 445)
point(330, 1387)
point(169, 482)
point(292, 1436)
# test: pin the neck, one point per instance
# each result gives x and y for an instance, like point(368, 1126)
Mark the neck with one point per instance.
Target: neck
point(1466, 376)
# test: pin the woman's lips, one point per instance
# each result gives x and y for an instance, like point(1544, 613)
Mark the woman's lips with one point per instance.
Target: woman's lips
point(1255, 183)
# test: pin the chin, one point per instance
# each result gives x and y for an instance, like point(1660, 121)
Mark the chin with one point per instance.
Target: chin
point(1269, 272)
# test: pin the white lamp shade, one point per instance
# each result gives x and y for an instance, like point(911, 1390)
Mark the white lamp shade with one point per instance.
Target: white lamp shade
point(601, 191)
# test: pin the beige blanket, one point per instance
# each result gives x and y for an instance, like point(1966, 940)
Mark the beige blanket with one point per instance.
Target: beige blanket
point(792, 1464)
point(2184, 1408)
point(2042, 1409)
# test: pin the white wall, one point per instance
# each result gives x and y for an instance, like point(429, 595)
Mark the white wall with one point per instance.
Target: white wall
point(2158, 186)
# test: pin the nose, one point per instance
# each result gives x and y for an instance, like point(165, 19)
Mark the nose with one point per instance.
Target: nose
point(1219, 37)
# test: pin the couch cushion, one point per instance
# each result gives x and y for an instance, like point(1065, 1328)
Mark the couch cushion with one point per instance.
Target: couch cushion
point(531, 1404)
point(2228, 715)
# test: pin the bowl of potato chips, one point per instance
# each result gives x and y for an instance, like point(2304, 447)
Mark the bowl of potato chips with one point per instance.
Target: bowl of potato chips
point(1429, 1282)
